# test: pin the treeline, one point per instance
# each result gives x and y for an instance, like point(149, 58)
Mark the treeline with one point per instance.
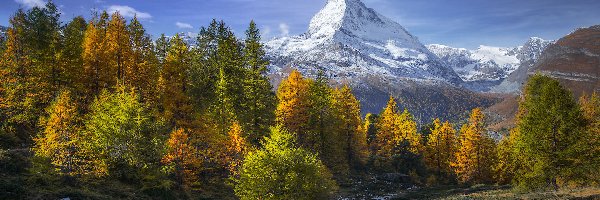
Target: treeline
point(100, 100)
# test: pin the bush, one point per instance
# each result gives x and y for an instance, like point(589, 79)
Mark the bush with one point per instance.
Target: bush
point(282, 171)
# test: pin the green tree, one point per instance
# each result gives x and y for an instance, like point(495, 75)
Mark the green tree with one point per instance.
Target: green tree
point(121, 134)
point(71, 55)
point(283, 171)
point(549, 131)
point(440, 149)
point(260, 100)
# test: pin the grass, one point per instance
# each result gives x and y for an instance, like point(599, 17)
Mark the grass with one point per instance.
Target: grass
point(497, 192)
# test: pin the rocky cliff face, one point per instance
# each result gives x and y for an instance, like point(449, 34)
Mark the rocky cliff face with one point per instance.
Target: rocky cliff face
point(574, 60)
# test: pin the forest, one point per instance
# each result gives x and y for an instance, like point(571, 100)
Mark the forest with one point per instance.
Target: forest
point(97, 109)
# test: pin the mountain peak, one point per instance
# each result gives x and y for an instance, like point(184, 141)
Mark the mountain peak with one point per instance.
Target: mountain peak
point(353, 18)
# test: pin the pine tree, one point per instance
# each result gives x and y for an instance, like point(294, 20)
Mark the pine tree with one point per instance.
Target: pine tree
point(476, 154)
point(260, 100)
point(440, 149)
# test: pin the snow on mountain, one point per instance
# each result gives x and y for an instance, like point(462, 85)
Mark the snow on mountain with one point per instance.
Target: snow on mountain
point(377, 57)
point(352, 42)
point(483, 64)
point(528, 55)
point(484, 68)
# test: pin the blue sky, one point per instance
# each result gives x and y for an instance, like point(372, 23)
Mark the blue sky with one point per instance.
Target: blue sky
point(459, 23)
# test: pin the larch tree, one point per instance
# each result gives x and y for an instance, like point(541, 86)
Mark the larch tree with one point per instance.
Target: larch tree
point(121, 133)
point(282, 170)
point(590, 106)
point(118, 48)
point(347, 109)
point(176, 107)
point(292, 110)
point(440, 149)
point(550, 131)
point(143, 73)
point(476, 153)
point(97, 73)
point(59, 142)
point(181, 158)
point(71, 55)
point(237, 149)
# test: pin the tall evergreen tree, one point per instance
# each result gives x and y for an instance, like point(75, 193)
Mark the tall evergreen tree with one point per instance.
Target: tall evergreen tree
point(143, 74)
point(260, 100)
point(550, 129)
point(71, 55)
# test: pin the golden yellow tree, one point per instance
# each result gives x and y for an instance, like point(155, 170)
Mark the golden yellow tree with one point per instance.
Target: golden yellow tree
point(292, 111)
point(476, 155)
point(119, 47)
point(347, 109)
point(173, 84)
point(60, 141)
point(181, 158)
point(97, 73)
point(440, 148)
point(237, 148)
point(396, 137)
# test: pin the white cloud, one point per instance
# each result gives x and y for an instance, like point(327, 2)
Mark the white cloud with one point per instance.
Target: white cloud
point(184, 25)
point(129, 12)
point(266, 32)
point(284, 29)
point(31, 3)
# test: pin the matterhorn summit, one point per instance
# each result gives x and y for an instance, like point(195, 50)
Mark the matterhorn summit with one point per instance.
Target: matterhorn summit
point(352, 43)
point(377, 57)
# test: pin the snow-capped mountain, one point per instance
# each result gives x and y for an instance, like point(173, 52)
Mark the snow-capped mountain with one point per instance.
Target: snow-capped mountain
point(486, 67)
point(352, 42)
point(528, 55)
point(377, 57)
point(483, 64)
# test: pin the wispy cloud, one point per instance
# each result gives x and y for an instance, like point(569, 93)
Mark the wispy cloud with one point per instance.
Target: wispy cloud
point(183, 25)
point(129, 12)
point(31, 3)
point(284, 29)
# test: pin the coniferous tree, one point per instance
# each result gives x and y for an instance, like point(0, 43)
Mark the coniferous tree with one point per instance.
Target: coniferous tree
point(292, 110)
point(281, 170)
point(590, 106)
point(72, 52)
point(346, 109)
point(549, 133)
point(60, 141)
point(475, 157)
point(440, 149)
point(181, 158)
point(143, 74)
point(173, 85)
point(260, 100)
